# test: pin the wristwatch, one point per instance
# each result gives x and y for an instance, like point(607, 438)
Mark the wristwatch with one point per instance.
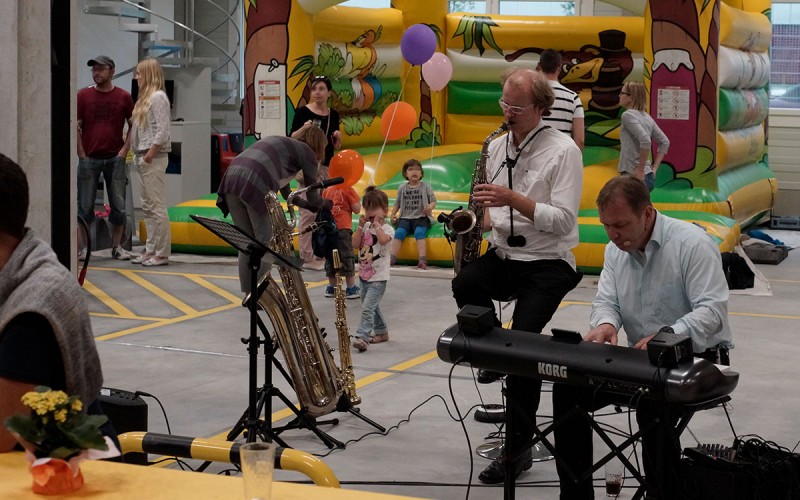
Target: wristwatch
point(666, 329)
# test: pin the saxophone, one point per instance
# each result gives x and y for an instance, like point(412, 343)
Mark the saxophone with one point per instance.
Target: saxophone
point(348, 378)
point(468, 224)
point(315, 377)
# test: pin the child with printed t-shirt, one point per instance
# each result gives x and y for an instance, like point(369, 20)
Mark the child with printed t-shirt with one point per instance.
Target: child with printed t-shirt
point(345, 204)
point(415, 201)
point(372, 239)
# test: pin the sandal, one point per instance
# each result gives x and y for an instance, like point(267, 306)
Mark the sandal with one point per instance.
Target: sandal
point(379, 338)
point(360, 344)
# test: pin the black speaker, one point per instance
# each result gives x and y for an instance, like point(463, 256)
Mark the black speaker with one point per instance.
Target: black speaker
point(127, 412)
point(475, 320)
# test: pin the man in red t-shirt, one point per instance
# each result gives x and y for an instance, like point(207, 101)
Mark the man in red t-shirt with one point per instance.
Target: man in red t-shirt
point(103, 110)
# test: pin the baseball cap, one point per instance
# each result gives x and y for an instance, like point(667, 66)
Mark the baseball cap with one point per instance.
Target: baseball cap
point(101, 61)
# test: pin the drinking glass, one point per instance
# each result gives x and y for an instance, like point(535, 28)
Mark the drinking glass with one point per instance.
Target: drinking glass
point(257, 460)
point(613, 478)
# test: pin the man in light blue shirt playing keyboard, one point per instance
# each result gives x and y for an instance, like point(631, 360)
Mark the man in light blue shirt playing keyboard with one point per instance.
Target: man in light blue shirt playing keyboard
point(659, 274)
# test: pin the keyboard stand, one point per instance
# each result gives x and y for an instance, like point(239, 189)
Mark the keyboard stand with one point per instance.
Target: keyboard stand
point(685, 411)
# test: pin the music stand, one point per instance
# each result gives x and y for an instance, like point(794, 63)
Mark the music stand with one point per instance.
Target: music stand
point(256, 251)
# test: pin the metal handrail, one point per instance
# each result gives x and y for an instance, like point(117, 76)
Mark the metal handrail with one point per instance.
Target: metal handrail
point(225, 451)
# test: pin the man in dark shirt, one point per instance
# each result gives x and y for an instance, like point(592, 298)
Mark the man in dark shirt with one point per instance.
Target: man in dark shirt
point(103, 110)
point(45, 332)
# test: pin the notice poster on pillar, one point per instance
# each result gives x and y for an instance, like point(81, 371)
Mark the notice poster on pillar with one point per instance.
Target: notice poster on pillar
point(673, 103)
point(269, 87)
point(268, 96)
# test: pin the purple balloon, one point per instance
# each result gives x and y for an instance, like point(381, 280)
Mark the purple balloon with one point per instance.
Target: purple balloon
point(418, 44)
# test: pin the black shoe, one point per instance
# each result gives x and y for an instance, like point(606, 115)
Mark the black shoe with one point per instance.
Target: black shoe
point(488, 376)
point(496, 473)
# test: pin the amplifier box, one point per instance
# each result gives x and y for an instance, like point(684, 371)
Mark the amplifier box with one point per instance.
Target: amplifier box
point(749, 470)
point(127, 412)
point(706, 482)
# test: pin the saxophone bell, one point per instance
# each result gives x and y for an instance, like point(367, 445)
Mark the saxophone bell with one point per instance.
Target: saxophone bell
point(462, 221)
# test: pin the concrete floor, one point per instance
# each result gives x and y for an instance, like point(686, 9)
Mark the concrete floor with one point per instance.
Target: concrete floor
point(174, 332)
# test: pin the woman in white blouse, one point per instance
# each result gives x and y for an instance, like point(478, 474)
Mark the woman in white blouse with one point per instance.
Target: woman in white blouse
point(637, 134)
point(150, 143)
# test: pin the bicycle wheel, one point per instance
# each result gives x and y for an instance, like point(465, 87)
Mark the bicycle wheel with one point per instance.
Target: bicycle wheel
point(84, 242)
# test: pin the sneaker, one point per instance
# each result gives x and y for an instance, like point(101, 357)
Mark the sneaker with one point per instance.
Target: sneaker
point(422, 265)
point(141, 258)
point(82, 255)
point(495, 473)
point(360, 344)
point(352, 292)
point(156, 261)
point(119, 253)
point(329, 291)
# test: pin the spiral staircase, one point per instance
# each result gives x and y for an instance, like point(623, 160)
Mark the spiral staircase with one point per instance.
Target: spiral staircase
point(207, 32)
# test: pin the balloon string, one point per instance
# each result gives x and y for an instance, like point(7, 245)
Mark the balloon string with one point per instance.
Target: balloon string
point(435, 124)
point(386, 137)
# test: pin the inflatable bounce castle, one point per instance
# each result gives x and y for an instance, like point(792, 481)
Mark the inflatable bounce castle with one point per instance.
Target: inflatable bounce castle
point(704, 62)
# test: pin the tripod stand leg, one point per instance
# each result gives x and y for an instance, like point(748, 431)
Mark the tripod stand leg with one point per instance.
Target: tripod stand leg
point(260, 427)
point(357, 413)
point(304, 421)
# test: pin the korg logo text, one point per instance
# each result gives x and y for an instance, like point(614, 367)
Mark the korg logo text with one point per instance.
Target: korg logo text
point(553, 370)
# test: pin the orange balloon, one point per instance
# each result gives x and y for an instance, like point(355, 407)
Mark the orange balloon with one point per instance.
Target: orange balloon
point(398, 120)
point(348, 164)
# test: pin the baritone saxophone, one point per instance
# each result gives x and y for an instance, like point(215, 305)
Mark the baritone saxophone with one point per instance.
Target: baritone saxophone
point(315, 376)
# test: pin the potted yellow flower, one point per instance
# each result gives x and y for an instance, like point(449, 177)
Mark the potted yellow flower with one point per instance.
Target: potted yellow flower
point(57, 436)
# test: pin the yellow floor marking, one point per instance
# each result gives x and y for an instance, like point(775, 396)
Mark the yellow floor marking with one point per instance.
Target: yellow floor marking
point(108, 301)
point(764, 315)
point(200, 280)
point(174, 273)
point(165, 322)
point(169, 299)
point(115, 316)
point(360, 384)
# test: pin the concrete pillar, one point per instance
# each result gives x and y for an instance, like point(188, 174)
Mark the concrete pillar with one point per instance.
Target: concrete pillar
point(25, 103)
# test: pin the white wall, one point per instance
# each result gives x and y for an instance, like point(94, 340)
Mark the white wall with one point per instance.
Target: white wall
point(784, 158)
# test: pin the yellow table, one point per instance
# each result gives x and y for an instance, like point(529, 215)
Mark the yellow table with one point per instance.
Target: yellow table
point(121, 481)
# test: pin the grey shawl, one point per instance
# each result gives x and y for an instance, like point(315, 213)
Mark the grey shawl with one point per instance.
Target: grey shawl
point(34, 281)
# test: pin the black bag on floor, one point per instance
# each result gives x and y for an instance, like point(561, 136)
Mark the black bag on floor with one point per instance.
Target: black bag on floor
point(737, 272)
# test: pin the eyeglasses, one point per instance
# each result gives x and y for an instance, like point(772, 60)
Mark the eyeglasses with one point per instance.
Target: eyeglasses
point(517, 110)
point(320, 77)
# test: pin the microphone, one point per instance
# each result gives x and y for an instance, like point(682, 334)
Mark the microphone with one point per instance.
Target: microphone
point(293, 197)
point(323, 184)
point(445, 218)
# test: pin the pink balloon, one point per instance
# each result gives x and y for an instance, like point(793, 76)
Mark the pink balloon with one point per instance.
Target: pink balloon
point(437, 71)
